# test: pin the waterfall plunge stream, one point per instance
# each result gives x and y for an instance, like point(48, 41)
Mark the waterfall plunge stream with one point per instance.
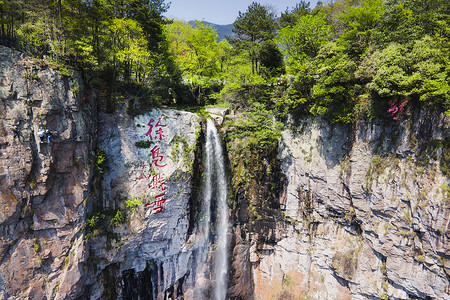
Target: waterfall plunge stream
point(216, 185)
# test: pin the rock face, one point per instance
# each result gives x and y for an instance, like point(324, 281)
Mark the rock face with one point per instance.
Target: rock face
point(148, 180)
point(365, 213)
point(43, 184)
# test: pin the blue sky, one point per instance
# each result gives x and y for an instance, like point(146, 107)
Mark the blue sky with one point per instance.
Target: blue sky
point(221, 11)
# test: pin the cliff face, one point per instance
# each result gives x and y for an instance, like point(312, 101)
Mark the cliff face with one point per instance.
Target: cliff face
point(147, 179)
point(42, 184)
point(364, 213)
point(111, 209)
point(107, 209)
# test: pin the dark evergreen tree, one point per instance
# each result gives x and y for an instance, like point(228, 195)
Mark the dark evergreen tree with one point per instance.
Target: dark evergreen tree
point(252, 28)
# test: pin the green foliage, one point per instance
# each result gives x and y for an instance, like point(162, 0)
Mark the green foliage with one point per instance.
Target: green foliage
point(290, 17)
point(143, 144)
point(66, 262)
point(133, 204)
point(118, 219)
point(251, 29)
point(100, 160)
point(256, 25)
point(271, 60)
point(331, 92)
point(253, 136)
point(113, 42)
point(304, 39)
point(93, 220)
point(256, 129)
point(359, 22)
point(417, 72)
point(63, 71)
point(194, 49)
point(36, 246)
point(347, 59)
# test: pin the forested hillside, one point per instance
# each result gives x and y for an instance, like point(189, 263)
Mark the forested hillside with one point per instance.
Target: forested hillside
point(346, 59)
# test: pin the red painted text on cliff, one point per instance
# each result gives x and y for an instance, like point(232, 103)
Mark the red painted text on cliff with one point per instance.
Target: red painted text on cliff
point(156, 158)
point(158, 130)
point(156, 181)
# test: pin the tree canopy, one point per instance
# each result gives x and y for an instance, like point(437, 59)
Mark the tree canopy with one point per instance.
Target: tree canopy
point(344, 59)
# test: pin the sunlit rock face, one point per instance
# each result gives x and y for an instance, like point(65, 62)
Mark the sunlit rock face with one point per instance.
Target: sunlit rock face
point(150, 160)
point(365, 213)
point(42, 184)
point(59, 238)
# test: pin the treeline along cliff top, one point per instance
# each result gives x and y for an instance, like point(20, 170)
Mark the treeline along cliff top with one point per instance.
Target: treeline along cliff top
point(344, 59)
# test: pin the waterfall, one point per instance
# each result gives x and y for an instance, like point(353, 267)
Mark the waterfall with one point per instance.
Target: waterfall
point(215, 183)
point(221, 258)
point(214, 192)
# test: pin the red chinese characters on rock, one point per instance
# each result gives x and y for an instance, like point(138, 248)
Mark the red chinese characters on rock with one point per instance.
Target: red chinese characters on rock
point(157, 204)
point(156, 158)
point(156, 182)
point(158, 132)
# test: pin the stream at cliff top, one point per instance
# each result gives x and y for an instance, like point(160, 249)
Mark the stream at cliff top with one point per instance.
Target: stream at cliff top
point(215, 188)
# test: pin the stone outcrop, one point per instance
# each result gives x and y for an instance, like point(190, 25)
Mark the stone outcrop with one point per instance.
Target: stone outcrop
point(108, 208)
point(153, 239)
point(43, 184)
point(365, 213)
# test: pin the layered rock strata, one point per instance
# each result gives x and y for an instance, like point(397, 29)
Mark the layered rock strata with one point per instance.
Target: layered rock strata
point(43, 183)
point(365, 213)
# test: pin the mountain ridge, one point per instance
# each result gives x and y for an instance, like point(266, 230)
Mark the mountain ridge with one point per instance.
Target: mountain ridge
point(223, 31)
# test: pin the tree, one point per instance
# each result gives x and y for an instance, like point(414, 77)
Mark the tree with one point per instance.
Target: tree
point(203, 43)
point(252, 28)
point(304, 39)
point(333, 11)
point(409, 20)
point(416, 72)
point(195, 49)
point(272, 63)
point(335, 79)
point(359, 22)
point(129, 47)
point(290, 17)
point(149, 15)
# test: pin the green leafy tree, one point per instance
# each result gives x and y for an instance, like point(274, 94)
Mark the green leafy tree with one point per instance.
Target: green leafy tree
point(333, 12)
point(129, 46)
point(203, 43)
point(195, 49)
point(332, 92)
point(409, 20)
point(272, 63)
point(360, 21)
point(304, 39)
point(416, 72)
point(290, 17)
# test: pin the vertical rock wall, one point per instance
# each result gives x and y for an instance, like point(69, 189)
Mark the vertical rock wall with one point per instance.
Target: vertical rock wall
point(102, 218)
point(42, 184)
point(150, 162)
point(109, 209)
point(365, 213)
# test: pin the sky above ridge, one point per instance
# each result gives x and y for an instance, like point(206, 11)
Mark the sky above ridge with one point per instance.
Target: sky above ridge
point(221, 12)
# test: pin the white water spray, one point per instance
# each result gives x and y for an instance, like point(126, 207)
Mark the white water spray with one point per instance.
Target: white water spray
point(215, 187)
point(221, 257)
